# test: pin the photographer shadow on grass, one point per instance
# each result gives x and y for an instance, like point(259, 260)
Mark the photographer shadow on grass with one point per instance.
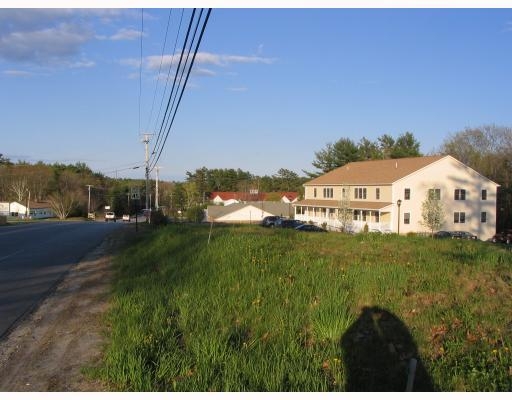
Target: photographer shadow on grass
point(377, 350)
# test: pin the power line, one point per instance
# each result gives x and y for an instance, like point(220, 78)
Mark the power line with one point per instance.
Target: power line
point(157, 142)
point(159, 69)
point(185, 83)
point(140, 66)
point(171, 95)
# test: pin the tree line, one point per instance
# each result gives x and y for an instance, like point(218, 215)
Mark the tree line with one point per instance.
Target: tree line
point(487, 149)
point(345, 150)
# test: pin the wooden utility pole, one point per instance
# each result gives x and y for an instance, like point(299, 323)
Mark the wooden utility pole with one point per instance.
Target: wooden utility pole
point(156, 197)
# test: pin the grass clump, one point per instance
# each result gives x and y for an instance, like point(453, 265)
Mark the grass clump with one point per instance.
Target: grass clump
point(278, 310)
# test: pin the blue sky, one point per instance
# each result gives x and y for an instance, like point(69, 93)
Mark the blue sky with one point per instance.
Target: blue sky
point(269, 88)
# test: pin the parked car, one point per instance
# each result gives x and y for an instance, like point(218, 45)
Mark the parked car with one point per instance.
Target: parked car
point(463, 235)
point(269, 221)
point(126, 217)
point(287, 223)
point(503, 237)
point(442, 235)
point(110, 216)
point(310, 228)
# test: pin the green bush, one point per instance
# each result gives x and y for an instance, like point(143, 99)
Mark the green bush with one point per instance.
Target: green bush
point(158, 218)
point(195, 214)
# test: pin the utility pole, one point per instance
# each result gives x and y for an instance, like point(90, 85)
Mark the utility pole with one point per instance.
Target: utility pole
point(89, 203)
point(27, 213)
point(156, 198)
point(146, 143)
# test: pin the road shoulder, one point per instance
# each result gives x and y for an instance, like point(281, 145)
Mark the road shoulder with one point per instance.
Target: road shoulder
point(48, 350)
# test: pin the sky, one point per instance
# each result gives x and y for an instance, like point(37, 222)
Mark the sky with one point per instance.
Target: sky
point(269, 88)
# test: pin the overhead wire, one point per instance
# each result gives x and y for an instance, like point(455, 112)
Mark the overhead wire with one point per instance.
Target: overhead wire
point(171, 95)
point(183, 68)
point(169, 126)
point(140, 66)
point(166, 83)
point(159, 70)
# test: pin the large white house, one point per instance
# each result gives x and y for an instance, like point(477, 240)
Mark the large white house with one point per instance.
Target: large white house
point(388, 194)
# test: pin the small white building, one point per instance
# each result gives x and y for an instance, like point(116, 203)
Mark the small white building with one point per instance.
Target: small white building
point(4, 208)
point(247, 213)
point(35, 210)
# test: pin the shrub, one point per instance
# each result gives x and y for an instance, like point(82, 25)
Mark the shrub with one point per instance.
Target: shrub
point(158, 218)
point(195, 214)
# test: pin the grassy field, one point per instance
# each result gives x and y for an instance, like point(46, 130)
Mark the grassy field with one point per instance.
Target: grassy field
point(278, 310)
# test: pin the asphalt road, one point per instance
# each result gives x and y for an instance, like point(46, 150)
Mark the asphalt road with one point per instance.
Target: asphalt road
point(35, 257)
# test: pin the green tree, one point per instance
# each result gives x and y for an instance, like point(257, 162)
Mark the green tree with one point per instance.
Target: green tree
point(4, 160)
point(406, 145)
point(386, 144)
point(195, 214)
point(368, 150)
point(335, 155)
point(286, 180)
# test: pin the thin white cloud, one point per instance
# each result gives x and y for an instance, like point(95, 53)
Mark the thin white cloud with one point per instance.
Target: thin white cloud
point(82, 64)
point(203, 72)
point(204, 58)
point(16, 73)
point(130, 62)
point(238, 89)
point(247, 60)
point(223, 59)
point(126, 34)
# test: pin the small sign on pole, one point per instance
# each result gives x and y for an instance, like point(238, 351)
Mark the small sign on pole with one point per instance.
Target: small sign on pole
point(135, 193)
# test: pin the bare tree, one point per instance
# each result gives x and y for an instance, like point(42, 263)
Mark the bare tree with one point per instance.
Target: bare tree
point(19, 188)
point(68, 195)
point(432, 212)
point(62, 203)
point(345, 212)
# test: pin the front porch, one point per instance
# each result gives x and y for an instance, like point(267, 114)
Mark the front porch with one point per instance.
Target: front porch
point(375, 219)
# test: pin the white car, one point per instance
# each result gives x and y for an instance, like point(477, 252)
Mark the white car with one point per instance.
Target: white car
point(110, 216)
point(126, 217)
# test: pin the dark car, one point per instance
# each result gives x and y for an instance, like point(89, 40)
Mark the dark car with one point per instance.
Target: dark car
point(288, 223)
point(503, 237)
point(269, 221)
point(463, 235)
point(310, 228)
point(442, 235)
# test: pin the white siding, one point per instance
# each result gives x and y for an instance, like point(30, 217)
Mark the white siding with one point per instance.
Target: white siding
point(246, 214)
point(447, 174)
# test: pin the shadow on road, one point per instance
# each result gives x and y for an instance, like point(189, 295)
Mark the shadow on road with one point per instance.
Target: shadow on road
point(377, 351)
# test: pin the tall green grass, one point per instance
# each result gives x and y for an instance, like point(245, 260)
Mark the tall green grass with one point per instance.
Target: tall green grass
point(266, 310)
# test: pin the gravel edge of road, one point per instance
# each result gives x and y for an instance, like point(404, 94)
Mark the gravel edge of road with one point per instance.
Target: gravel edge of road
point(49, 347)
